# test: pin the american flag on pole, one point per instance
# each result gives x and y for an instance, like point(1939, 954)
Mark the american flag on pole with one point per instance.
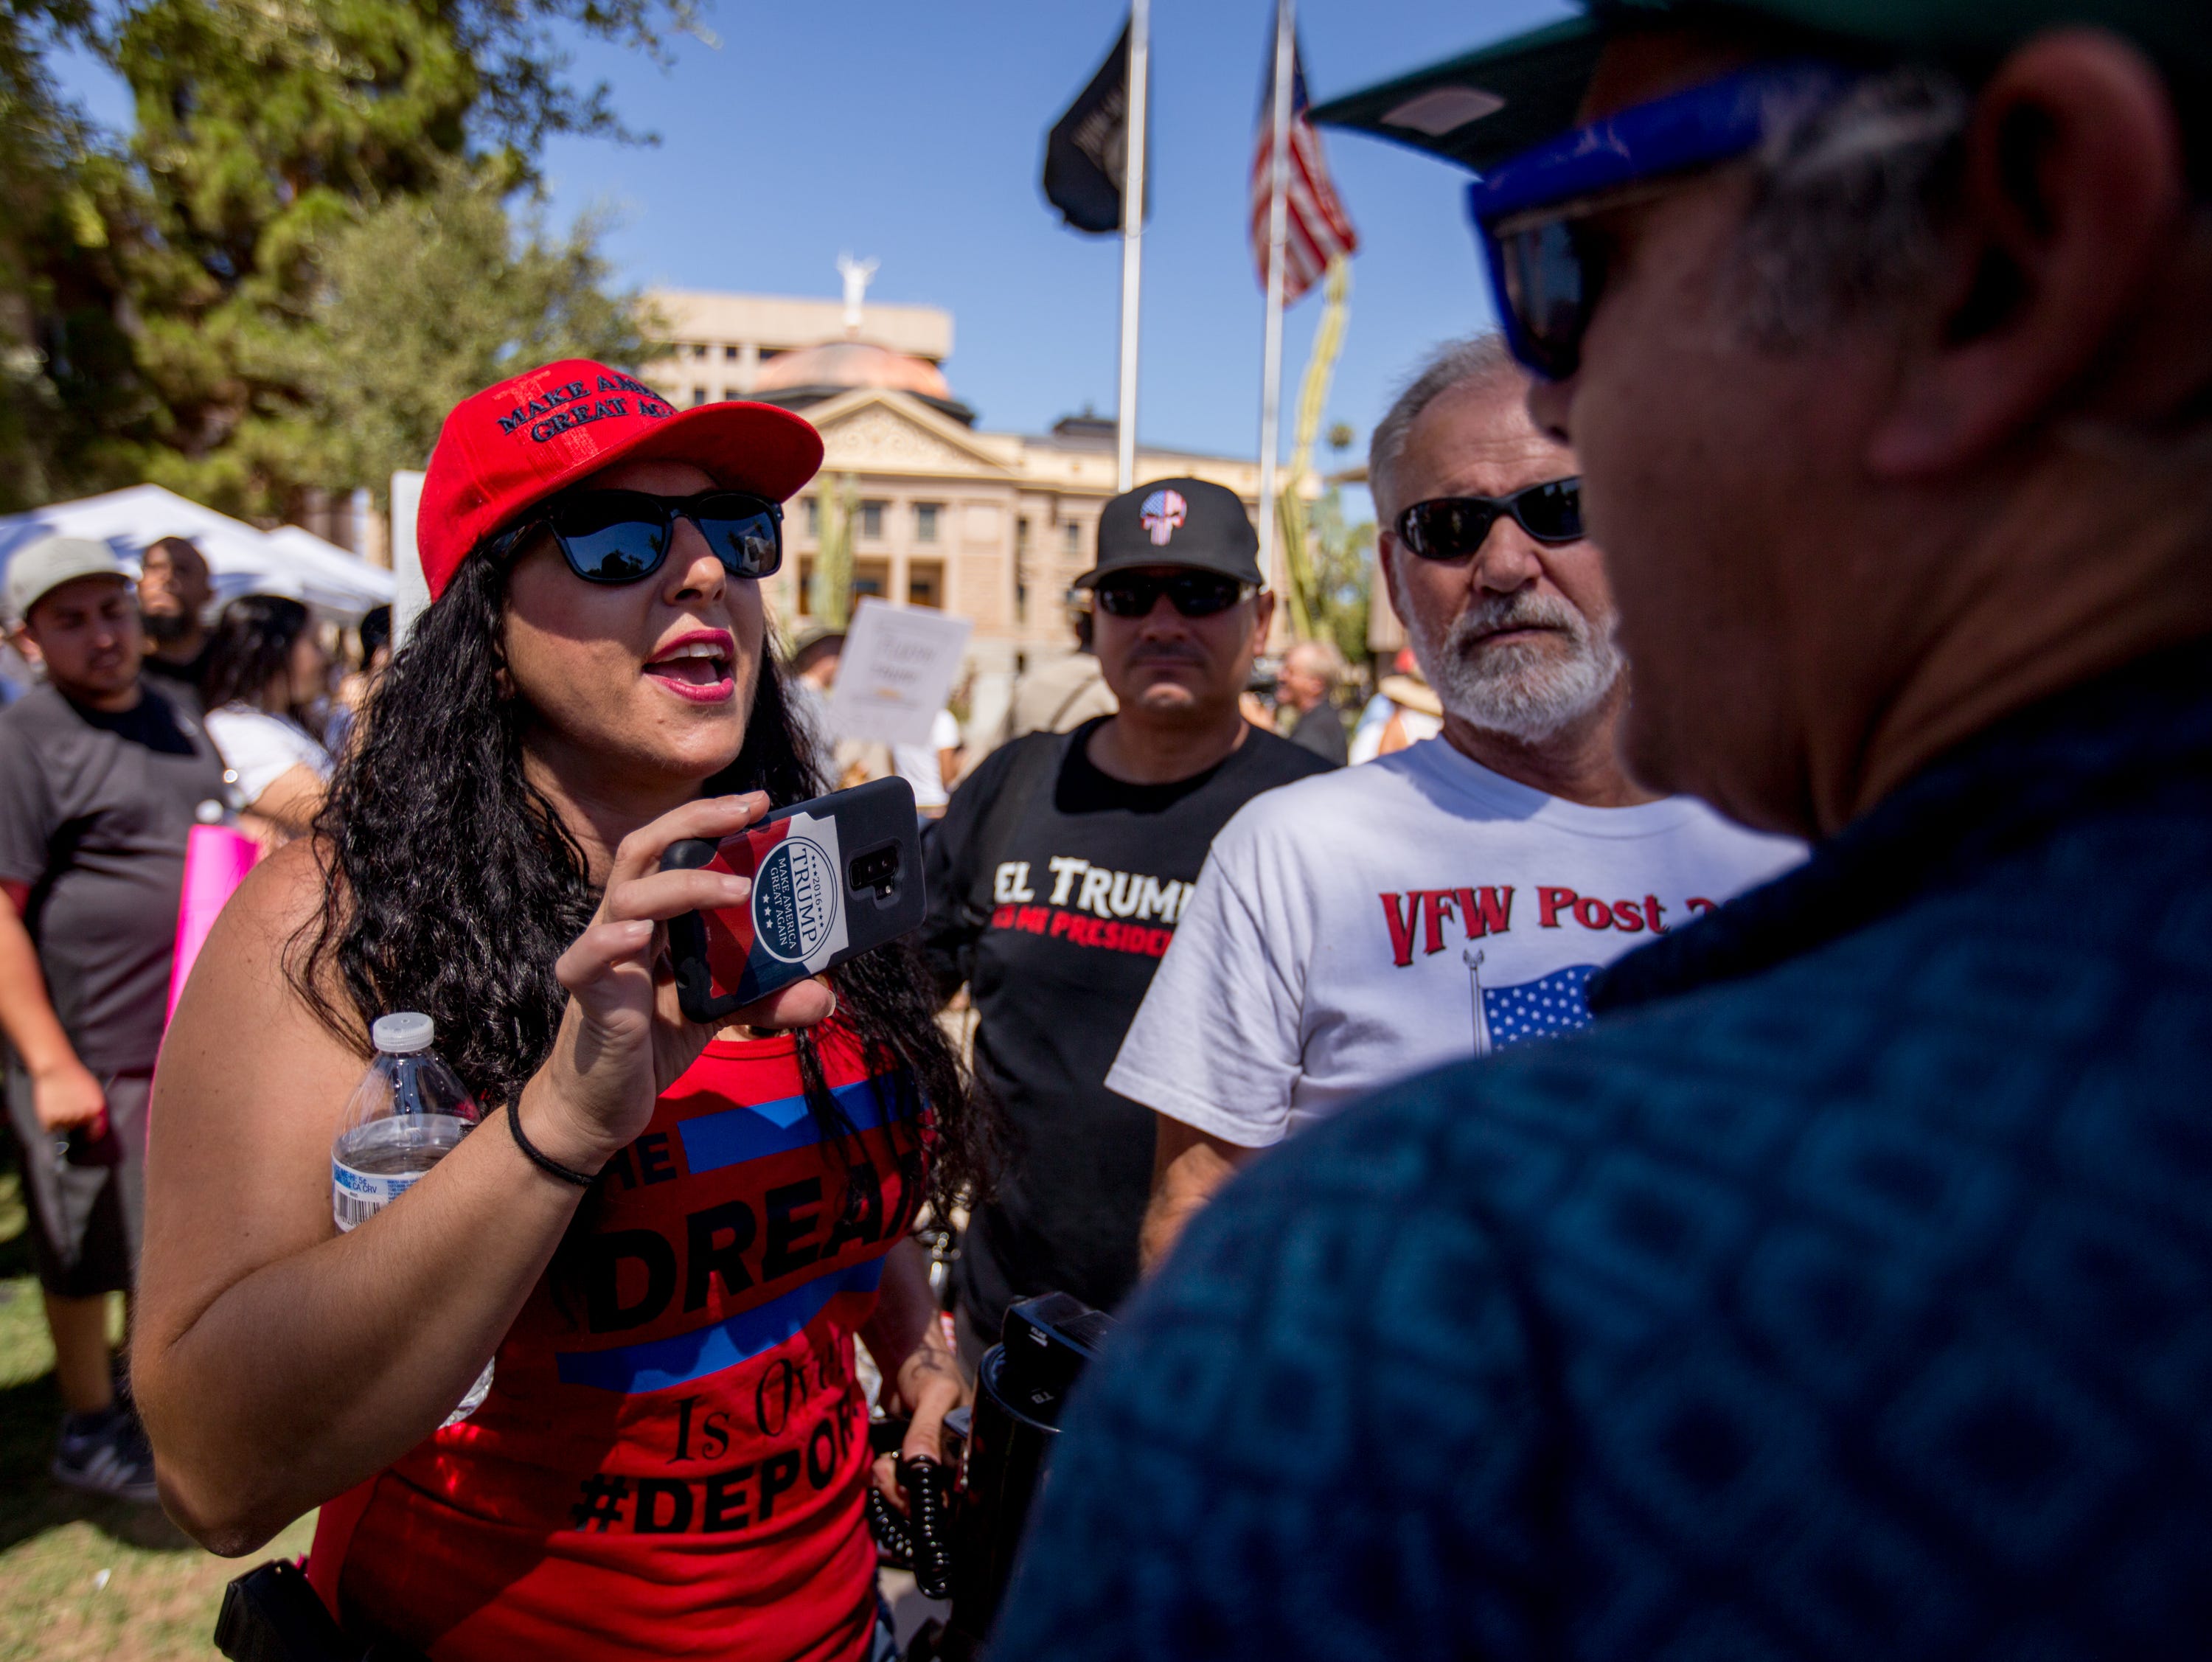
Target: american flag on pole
point(1318, 228)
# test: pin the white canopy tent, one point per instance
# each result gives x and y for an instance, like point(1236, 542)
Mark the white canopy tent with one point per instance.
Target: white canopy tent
point(289, 561)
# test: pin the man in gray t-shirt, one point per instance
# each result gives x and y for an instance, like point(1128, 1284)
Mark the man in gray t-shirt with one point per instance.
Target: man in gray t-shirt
point(101, 778)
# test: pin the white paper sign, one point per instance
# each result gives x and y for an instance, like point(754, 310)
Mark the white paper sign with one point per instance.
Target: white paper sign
point(411, 590)
point(895, 671)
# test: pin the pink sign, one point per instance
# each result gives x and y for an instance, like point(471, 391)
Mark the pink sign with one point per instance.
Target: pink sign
point(217, 860)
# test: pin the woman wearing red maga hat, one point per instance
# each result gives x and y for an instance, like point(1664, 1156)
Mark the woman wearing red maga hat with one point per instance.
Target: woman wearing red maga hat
point(669, 1247)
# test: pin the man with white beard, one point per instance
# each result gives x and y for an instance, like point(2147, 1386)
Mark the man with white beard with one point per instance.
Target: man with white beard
point(1357, 927)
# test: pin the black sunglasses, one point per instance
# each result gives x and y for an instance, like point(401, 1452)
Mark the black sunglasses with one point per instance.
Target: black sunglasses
point(1453, 527)
point(1551, 273)
point(1550, 268)
point(1194, 593)
point(1540, 215)
point(623, 535)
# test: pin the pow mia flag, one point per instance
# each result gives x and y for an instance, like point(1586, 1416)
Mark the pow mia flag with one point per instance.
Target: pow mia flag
point(1088, 149)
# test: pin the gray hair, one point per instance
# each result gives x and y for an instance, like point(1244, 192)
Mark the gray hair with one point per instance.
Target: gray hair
point(1482, 358)
point(1851, 199)
point(1320, 655)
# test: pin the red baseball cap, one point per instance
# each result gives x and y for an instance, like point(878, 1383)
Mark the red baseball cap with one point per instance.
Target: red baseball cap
point(510, 447)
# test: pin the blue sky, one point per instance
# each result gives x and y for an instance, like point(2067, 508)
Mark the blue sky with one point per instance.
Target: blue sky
point(914, 134)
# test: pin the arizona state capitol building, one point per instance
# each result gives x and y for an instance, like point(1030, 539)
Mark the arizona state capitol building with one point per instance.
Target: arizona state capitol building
point(990, 527)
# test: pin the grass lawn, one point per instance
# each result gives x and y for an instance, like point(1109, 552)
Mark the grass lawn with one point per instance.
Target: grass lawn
point(81, 1578)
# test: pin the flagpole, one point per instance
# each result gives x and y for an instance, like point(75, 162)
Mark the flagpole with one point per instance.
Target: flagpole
point(1271, 371)
point(1132, 236)
point(1473, 959)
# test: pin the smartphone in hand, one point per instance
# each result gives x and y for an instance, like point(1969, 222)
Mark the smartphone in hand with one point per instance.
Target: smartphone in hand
point(832, 878)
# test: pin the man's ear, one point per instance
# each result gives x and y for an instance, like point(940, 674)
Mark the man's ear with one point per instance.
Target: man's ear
point(1263, 615)
point(25, 642)
point(2072, 193)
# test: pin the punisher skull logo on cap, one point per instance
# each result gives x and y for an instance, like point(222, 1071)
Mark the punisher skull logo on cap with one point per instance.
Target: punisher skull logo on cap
point(1177, 522)
point(1163, 512)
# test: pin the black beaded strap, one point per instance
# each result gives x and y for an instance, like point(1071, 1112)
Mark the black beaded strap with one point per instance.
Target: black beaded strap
point(544, 1162)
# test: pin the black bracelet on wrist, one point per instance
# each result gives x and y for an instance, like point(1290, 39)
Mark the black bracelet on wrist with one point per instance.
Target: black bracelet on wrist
point(544, 1162)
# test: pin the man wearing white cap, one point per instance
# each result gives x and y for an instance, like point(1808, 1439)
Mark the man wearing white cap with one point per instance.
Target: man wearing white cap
point(102, 777)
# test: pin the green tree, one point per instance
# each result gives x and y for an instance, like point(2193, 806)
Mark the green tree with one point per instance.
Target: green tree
point(1342, 555)
point(270, 134)
point(68, 208)
point(422, 300)
point(1292, 519)
point(829, 586)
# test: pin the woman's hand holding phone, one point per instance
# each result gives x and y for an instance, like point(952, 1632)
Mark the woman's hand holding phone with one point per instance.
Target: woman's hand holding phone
point(622, 1040)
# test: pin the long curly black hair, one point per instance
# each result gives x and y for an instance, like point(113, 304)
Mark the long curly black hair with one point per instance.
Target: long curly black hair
point(452, 885)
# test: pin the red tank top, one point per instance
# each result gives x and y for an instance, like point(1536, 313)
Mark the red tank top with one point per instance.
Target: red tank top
point(673, 1457)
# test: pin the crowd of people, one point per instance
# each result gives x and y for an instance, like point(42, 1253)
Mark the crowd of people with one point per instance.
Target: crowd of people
point(152, 713)
point(1728, 1005)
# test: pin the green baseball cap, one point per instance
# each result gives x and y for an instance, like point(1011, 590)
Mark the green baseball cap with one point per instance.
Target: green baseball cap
point(1491, 103)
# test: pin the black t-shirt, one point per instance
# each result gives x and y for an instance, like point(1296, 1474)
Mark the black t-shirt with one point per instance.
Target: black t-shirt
point(94, 809)
point(1321, 730)
point(1057, 926)
point(188, 678)
point(152, 721)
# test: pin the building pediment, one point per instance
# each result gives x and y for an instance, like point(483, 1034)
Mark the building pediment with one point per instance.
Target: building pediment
point(879, 430)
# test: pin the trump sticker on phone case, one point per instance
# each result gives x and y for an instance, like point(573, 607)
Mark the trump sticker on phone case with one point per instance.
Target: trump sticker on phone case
point(796, 917)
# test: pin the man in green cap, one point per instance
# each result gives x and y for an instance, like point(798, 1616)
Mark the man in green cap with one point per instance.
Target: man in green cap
point(1847, 1291)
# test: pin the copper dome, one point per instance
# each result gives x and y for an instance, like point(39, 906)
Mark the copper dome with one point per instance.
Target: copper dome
point(848, 363)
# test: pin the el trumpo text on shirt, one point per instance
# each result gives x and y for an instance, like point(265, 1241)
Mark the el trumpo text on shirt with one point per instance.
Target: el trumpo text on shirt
point(1089, 905)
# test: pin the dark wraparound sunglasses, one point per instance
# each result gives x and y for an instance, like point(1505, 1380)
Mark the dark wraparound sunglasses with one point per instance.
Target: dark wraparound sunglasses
point(1194, 593)
point(1536, 213)
point(1453, 527)
point(624, 536)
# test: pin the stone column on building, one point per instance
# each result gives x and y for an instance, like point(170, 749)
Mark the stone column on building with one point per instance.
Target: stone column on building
point(898, 529)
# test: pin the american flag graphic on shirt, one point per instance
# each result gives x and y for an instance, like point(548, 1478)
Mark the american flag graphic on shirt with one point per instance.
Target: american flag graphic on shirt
point(1555, 1003)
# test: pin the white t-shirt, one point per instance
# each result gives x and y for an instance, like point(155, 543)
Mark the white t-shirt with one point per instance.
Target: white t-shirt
point(1326, 950)
point(1367, 735)
point(917, 764)
point(261, 748)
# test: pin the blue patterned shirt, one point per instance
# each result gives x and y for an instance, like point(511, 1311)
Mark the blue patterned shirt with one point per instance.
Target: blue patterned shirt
point(1846, 1292)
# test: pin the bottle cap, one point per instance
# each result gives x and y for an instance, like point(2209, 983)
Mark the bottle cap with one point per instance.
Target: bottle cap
point(402, 1032)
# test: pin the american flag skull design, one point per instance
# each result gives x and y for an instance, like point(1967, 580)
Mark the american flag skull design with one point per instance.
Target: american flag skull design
point(1161, 513)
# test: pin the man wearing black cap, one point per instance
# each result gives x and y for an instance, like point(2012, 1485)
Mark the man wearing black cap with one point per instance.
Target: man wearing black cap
point(1847, 1291)
point(1057, 875)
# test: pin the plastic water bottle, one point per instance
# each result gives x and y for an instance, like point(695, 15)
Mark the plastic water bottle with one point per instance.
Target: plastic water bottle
point(408, 1113)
